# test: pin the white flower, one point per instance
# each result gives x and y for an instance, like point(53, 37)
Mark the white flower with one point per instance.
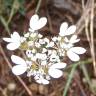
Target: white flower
point(44, 50)
point(54, 58)
point(65, 45)
point(54, 71)
point(72, 40)
point(27, 35)
point(50, 44)
point(43, 41)
point(41, 56)
point(54, 39)
point(20, 66)
point(44, 62)
point(14, 41)
point(30, 43)
point(37, 45)
point(40, 79)
point(36, 23)
point(33, 35)
point(73, 52)
point(47, 42)
point(40, 36)
point(30, 54)
point(64, 30)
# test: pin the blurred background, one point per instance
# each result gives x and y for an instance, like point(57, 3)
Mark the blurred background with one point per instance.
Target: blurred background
point(79, 78)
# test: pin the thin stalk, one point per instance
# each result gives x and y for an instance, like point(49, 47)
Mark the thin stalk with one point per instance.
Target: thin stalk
point(92, 36)
point(20, 80)
point(2, 19)
point(69, 80)
point(12, 11)
point(87, 76)
point(71, 76)
point(38, 6)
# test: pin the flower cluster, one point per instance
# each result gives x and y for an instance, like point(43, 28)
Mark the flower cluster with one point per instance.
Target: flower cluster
point(44, 57)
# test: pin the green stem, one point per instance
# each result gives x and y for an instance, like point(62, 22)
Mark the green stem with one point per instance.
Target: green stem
point(12, 11)
point(87, 76)
point(5, 24)
point(71, 75)
point(38, 6)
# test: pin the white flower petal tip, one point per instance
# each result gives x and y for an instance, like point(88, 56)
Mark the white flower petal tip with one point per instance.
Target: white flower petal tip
point(43, 81)
point(64, 30)
point(7, 39)
point(74, 52)
point(71, 30)
point(55, 73)
point(73, 56)
point(17, 60)
point(13, 46)
point(78, 50)
point(36, 23)
point(19, 69)
point(14, 41)
point(59, 65)
point(74, 39)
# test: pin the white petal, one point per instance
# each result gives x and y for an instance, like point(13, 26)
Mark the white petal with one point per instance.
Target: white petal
point(22, 39)
point(78, 50)
point(55, 73)
point(66, 39)
point(7, 39)
point(51, 44)
point(70, 30)
point(63, 29)
point(44, 81)
point(46, 40)
point(41, 56)
point(18, 60)
point(42, 22)
point(40, 36)
point(74, 39)
point(73, 56)
point(59, 65)
point(33, 22)
point(44, 50)
point(31, 30)
point(13, 46)
point(54, 39)
point(26, 35)
point(15, 37)
point(38, 81)
point(19, 69)
point(44, 63)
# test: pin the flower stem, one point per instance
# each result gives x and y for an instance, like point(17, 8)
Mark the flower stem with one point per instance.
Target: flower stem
point(38, 6)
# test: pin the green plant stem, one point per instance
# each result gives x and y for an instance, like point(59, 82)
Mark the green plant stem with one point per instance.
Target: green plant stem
point(38, 6)
point(71, 75)
point(70, 66)
point(69, 79)
point(2, 19)
point(85, 72)
point(12, 12)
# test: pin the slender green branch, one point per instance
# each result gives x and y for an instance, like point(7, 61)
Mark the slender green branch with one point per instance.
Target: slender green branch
point(38, 6)
point(71, 75)
point(2, 19)
point(12, 11)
